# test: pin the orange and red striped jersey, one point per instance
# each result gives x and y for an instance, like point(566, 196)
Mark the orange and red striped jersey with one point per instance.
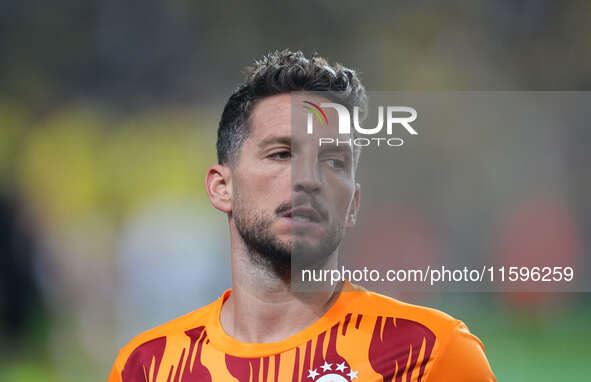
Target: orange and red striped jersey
point(364, 336)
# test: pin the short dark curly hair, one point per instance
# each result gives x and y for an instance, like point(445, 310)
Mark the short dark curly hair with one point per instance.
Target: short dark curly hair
point(282, 72)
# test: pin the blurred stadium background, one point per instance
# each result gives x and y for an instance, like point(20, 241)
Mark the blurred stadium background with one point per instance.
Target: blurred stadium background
point(108, 115)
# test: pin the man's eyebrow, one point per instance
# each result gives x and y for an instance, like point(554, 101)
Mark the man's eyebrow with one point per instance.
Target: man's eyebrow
point(332, 148)
point(286, 140)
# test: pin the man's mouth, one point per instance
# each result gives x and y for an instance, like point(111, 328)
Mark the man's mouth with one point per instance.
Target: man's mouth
point(303, 214)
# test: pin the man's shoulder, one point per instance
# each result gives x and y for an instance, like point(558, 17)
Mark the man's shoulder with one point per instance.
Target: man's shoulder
point(376, 304)
point(179, 325)
point(457, 354)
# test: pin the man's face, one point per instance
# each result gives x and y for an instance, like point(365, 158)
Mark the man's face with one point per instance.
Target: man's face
point(290, 195)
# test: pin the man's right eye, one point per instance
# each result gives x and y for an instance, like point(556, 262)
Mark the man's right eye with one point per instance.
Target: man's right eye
point(280, 155)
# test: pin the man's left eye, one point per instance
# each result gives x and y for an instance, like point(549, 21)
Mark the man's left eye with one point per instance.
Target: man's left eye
point(336, 163)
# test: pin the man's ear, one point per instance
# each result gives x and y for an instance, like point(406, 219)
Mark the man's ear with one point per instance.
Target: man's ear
point(218, 183)
point(352, 218)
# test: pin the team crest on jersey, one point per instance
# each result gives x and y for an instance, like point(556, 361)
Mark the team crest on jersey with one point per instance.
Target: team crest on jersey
point(332, 372)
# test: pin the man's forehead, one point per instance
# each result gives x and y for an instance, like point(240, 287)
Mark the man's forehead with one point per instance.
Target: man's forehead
point(271, 115)
point(285, 115)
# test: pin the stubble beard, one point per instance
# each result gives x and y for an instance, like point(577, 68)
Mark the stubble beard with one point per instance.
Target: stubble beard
point(265, 250)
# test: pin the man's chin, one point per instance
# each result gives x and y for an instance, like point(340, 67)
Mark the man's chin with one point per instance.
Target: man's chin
point(308, 253)
point(304, 236)
point(303, 244)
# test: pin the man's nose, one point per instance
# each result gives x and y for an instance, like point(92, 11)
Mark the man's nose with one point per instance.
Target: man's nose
point(306, 175)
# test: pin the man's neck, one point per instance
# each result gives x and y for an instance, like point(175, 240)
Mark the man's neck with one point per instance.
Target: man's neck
point(262, 308)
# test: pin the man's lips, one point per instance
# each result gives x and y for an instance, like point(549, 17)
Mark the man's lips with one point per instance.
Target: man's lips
point(304, 212)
